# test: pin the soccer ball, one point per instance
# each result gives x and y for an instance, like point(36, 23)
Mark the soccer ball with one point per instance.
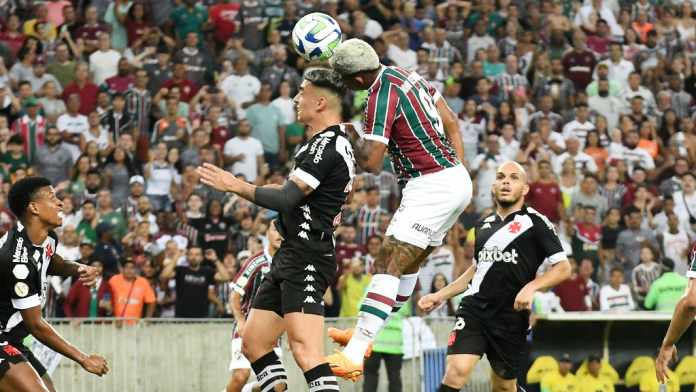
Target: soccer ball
point(316, 36)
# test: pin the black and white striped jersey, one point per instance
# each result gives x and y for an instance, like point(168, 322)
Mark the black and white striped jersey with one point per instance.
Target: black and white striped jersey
point(23, 278)
point(508, 254)
point(325, 163)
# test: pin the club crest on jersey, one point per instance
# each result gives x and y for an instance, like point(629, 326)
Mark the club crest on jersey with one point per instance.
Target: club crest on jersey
point(496, 255)
point(514, 227)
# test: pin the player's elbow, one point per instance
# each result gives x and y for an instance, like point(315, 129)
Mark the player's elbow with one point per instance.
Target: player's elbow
point(564, 270)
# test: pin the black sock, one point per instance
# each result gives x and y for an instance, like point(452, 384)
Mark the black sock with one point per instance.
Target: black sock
point(269, 371)
point(447, 388)
point(320, 379)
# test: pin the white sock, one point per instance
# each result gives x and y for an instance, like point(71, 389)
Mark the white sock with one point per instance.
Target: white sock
point(406, 285)
point(374, 311)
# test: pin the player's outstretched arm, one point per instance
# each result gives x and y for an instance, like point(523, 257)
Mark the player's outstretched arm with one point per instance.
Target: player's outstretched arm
point(451, 124)
point(429, 302)
point(44, 332)
point(684, 314)
point(65, 268)
point(369, 154)
point(555, 275)
point(273, 197)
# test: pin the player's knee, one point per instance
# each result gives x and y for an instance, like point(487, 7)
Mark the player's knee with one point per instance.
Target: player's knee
point(239, 378)
point(505, 386)
point(252, 350)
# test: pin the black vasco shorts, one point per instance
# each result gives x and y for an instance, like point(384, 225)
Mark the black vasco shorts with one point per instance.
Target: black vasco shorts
point(297, 282)
point(13, 353)
point(502, 339)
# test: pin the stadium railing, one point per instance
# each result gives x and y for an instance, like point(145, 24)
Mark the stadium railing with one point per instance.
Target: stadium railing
point(193, 354)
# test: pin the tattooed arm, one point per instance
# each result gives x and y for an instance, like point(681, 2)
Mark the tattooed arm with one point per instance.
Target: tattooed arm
point(368, 153)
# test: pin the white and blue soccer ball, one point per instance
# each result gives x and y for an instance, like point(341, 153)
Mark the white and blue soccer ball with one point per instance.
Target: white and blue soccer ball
point(316, 36)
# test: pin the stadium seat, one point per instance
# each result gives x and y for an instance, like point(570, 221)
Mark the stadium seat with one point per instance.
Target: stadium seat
point(541, 366)
point(686, 371)
point(637, 368)
point(606, 370)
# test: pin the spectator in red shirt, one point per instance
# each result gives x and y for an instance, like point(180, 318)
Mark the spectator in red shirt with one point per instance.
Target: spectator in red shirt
point(223, 16)
point(90, 30)
point(89, 301)
point(574, 292)
point(579, 63)
point(599, 43)
point(545, 194)
point(11, 36)
point(84, 88)
point(122, 81)
point(188, 88)
point(346, 248)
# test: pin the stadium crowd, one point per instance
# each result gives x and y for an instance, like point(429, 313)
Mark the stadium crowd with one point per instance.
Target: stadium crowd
point(118, 102)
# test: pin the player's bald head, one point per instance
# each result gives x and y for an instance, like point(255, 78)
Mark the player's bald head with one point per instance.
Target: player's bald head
point(510, 167)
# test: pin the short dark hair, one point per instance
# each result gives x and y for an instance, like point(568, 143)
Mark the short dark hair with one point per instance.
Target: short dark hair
point(23, 192)
point(326, 78)
point(16, 139)
point(616, 269)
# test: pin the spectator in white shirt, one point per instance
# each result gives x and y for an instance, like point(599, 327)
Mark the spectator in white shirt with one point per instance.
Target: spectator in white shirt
point(635, 89)
point(633, 155)
point(479, 40)
point(241, 87)
point(509, 147)
point(605, 104)
point(73, 125)
point(398, 50)
point(243, 154)
point(588, 15)
point(580, 126)
point(583, 162)
point(685, 202)
point(619, 68)
point(284, 103)
point(104, 62)
point(676, 244)
point(616, 296)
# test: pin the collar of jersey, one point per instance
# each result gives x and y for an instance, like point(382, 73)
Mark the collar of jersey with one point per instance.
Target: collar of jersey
point(510, 217)
point(379, 76)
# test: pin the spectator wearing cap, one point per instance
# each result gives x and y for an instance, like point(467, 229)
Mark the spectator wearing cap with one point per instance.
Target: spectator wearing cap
point(89, 301)
point(595, 381)
point(31, 127)
point(54, 160)
point(122, 81)
point(107, 248)
point(85, 90)
point(631, 239)
point(39, 77)
point(666, 290)
point(104, 62)
point(616, 296)
point(563, 380)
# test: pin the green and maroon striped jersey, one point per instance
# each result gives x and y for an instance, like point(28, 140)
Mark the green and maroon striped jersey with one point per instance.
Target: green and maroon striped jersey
point(401, 113)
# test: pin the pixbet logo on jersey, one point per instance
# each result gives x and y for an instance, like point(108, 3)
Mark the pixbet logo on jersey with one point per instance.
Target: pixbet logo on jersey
point(494, 254)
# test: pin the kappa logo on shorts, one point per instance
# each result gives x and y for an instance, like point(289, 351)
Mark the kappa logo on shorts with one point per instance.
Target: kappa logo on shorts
point(309, 278)
point(310, 288)
point(303, 235)
point(309, 300)
point(304, 226)
point(310, 268)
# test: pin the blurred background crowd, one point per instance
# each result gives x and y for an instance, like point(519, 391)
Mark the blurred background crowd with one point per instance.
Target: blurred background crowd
point(117, 102)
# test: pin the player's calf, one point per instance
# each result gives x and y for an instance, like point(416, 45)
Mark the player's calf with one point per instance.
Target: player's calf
point(238, 380)
point(458, 371)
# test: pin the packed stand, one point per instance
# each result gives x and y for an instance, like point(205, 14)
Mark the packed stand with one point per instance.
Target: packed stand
point(118, 102)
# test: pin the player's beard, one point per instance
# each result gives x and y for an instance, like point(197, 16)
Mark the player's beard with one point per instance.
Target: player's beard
point(507, 203)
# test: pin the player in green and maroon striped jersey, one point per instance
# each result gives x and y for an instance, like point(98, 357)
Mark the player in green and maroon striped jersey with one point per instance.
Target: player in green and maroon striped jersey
point(408, 118)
